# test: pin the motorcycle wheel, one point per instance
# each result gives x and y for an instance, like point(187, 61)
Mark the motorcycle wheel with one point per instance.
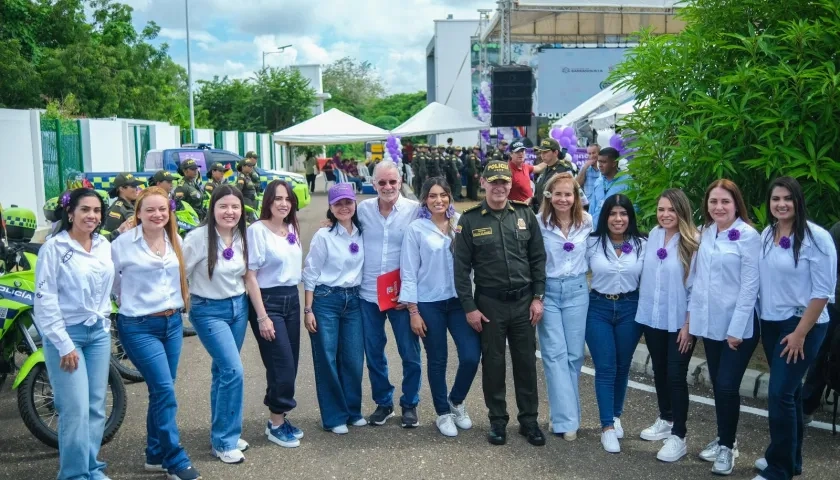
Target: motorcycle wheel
point(44, 425)
point(120, 360)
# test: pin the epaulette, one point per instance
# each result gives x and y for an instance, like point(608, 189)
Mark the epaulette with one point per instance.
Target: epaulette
point(520, 203)
point(118, 203)
point(470, 209)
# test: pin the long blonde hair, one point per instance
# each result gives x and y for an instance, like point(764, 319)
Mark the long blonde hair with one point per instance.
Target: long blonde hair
point(171, 230)
point(689, 236)
point(549, 215)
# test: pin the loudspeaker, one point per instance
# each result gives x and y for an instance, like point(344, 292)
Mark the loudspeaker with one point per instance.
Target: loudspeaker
point(512, 96)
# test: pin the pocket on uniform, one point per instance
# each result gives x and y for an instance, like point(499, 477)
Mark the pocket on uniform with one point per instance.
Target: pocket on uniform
point(523, 235)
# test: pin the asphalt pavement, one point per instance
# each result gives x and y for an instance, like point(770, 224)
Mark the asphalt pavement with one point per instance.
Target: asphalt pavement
point(391, 452)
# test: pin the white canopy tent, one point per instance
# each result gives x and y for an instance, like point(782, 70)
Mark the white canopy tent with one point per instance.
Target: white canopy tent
point(438, 118)
point(609, 118)
point(606, 99)
point(330, 128)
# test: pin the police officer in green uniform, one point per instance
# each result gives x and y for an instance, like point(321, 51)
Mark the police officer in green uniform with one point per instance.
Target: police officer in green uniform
point(215, 179)
point(472, 172)
point(433, 164)
point(552, 164)
point(501, 243)
point(453, 172)
point(190, 188)
point(245, 182)
point(164, 180)
point(255, 177)
point(418, 167)
point(120, 216)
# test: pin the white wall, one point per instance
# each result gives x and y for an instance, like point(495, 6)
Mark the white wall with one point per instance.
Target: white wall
point(452, 50)
point(18, 184)
point(203, 135)
point(264, 141)
point(103, 146)
point(165, 136)
point(250, 142)
point(230, 141)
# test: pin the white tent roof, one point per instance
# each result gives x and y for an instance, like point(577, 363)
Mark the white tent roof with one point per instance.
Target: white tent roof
point(438, 118)
point(606, 99)
point(609, 118)
point(329, 128)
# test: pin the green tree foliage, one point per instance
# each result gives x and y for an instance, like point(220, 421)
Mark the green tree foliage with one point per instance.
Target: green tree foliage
point(353, 86)
point(750, 90)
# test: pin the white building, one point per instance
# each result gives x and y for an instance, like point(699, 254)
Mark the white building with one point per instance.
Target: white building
point(314, 74)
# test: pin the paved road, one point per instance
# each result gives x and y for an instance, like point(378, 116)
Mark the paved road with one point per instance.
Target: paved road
point(390, 452)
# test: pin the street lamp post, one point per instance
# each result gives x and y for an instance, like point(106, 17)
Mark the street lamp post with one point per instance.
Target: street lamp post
point(189, 74)
point(269, 53)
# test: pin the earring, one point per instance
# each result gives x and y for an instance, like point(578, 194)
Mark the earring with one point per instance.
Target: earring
point(71, 219)
point(450, 212)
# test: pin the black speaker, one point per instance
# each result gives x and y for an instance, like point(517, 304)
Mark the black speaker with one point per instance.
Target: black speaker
point(512, 96)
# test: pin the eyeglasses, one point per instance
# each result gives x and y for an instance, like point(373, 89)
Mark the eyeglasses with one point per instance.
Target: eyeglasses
point(392, 183)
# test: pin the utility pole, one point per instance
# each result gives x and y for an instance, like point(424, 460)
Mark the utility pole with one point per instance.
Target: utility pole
point(269, 53)
point(189, 74)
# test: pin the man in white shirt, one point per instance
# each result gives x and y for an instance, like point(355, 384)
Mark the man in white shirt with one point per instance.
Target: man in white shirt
point(384, 221)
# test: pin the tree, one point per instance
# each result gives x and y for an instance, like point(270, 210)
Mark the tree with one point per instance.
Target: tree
point(750, 90)
point(352, 85)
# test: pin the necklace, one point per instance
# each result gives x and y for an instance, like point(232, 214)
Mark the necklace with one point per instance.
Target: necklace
point(157, 246)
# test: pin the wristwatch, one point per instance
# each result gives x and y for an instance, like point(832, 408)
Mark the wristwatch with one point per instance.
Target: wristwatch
point(307, 310)
point(539, 297)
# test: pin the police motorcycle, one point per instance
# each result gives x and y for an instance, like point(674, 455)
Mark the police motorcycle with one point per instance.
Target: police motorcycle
point(21, 351)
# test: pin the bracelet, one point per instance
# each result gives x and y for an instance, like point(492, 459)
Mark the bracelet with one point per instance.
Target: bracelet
point(414, 312)
point(262, 319)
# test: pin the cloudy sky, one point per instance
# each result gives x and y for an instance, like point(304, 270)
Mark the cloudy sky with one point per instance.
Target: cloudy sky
point(229, 36)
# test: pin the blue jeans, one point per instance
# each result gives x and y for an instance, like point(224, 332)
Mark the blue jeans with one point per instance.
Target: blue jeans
point(440, 316)
point(562, 332)
point(80, 401)
point(408, 345)
point(784, 403)
point(612, 335)
point(221, 327)
point(338, 354)
point(153, 344)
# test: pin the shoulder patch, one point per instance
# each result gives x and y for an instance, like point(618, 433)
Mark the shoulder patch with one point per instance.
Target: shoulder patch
point(470, 209)
point(179, 195)
point(118, 203)
point(114, 215)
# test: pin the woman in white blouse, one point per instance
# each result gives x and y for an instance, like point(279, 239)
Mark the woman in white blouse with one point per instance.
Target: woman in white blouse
point(428, 287)
point(332, 274)
point(275, 260)
point(151, 289)
point(615, 251)
point(74, 275)
point(798, 275)
point(663, 302)
point(566, 228)
point(721, 310)
point(216, 256)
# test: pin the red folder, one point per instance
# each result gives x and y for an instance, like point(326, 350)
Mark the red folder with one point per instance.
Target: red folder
point(388, 290)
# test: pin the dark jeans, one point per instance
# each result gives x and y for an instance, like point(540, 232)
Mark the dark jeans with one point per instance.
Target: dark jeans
point(670, 368)
point(357, 182)
point(812, 391)
point(279, 356)
point(440, 317)
point(153, 344)
point(726, 381)
point(784, 402)
point(310, 180)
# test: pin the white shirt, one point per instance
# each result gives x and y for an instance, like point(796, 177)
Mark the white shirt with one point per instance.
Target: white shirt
point(145, 283)
point(786, 290)
point(228, 275)
point(73, 287)
point(330, 261)
point(277, 262)
point(383, 240)
point(612, 274)
point(663, 294)
point(725, 283)
point(558, 262)
point(426, 264)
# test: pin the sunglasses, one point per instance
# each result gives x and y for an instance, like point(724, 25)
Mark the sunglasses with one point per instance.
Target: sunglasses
point(383, 183)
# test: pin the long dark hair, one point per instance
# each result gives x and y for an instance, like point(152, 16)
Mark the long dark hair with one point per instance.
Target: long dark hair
point(424, 195)
point(632, 234)
point(800, 218)
point(76, 196)
point(356, 222)
point(213, 236)
point(268, 201)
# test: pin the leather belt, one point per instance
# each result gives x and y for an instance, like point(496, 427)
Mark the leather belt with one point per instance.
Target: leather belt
point(616, 296)
point(504, 295)
point(165, 313)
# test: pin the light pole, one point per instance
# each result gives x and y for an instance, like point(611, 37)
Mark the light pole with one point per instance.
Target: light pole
point(269, 53)
point(189, 74)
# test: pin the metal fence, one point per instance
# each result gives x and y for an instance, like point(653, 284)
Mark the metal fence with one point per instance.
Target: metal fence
point(61, 148)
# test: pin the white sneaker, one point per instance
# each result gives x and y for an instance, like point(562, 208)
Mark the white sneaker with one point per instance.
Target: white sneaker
point(359, 423)
point(725, 461)
point(660, 430)
point(340, 430)
point(242, 445)
point(758, 477)
point(609, 440)
point(761, 464)
point(619, 431)
point(710, 452)
point(230, 456)
point(446, 424)
point(462, 418)
point(154, 468)
point(570, 436)
point(673, 450)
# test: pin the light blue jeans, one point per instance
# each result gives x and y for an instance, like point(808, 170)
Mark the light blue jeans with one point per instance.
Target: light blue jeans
point(221, 326)
point(562, 334)
point(80, 401)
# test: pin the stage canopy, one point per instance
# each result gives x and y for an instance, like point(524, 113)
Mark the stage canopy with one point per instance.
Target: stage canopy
point(606, 99)
point(438, 118)
point(330, 128)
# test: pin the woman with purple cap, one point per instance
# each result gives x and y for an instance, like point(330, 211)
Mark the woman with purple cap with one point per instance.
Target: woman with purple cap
point(332, 274)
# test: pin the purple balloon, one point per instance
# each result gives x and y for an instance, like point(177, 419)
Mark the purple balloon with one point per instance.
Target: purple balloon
point(556, 133)
point(569, 132)
point(615, 142)
point(565, 142)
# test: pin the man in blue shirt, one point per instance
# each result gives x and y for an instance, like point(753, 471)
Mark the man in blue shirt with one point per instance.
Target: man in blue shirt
point(607, 184)
point(589, 173)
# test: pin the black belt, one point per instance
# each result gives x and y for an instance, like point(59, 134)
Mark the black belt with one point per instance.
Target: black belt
point(616, 296)
point(504, 295)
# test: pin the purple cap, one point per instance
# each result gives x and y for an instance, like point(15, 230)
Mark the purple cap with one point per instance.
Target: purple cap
point(340, 191)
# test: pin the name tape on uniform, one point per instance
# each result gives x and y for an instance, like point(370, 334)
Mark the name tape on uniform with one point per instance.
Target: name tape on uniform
point(482, 232)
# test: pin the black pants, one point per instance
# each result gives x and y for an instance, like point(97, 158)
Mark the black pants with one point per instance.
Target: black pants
point(280, 356)
point(670, 368)
point(310, 179)
point(814, 387)
point(508, 321)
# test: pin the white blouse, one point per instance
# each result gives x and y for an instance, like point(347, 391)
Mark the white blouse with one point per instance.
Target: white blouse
point(277, 262)
point(613, 274)
point(330, 260)
point(559, 262)
point(228, 275)
point(145, 283)
point(663, 294)
point(725, 283)
point(426, 264)
point(73, 287)
point(786, 290)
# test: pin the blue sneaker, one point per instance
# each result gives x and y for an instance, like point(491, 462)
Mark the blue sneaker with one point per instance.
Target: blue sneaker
point(281, 436)
point(295, 431)
point(189, 473)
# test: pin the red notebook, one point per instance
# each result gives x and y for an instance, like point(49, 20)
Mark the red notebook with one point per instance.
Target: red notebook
point(388, 290)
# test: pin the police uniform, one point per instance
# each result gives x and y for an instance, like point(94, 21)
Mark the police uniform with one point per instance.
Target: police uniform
point(453, 173)
point(161, 176)
point(255, 177)
point(504, 249)
point(121, 210)
point(561, 166)
point(189, 191)
point(433, 165)
point(212, 184)
point(473, 168)
point(418, 167)
point(245, 184)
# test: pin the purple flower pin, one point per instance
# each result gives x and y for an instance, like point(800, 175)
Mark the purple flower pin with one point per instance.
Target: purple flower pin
point(354, 248)
point(734, 234)
point(568, 246)
point(424, 213)
point(662, 254)
point(626, 247)
point(65, 200)
point(292, 238)
point(172, 204)
point(784, 242)
point(227, 253)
